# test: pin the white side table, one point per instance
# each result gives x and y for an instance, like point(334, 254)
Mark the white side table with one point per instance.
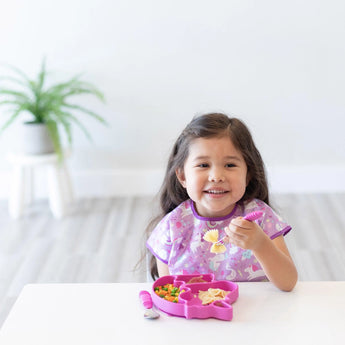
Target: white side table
point(22, 188)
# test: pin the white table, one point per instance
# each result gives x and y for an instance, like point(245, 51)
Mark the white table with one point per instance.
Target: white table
point(314, 313)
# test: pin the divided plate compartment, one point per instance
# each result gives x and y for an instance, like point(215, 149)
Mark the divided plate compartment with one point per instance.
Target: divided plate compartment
point(189, 305)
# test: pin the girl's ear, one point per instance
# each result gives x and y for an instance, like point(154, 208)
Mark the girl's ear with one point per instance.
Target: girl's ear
point(180, 176)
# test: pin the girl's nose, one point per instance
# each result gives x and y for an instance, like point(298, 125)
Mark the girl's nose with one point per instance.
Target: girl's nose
point(216, 176)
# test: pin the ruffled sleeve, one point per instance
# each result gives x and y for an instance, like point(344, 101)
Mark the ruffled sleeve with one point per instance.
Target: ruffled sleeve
point(272, 224)
point(159, 242)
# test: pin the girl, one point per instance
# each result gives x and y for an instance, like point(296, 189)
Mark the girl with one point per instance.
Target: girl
point(215, 176)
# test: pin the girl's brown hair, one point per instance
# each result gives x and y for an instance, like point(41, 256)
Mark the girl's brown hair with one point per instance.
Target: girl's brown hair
point(172, 193)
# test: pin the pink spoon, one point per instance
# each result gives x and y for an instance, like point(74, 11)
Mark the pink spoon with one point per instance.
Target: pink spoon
point(146, 300)
point(253, 215)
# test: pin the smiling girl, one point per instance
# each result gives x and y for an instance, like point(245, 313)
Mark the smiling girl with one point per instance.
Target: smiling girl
point(215, 177)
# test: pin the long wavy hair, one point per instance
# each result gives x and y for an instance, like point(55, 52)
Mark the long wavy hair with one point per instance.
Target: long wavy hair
point(172, 193)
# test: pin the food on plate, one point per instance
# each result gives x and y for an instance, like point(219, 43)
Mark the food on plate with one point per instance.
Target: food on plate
point(212, 295)
point(197, 280)
point(169, 292)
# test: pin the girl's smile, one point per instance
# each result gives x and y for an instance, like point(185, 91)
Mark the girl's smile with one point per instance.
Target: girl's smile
point(215, 193)
point(215, 175)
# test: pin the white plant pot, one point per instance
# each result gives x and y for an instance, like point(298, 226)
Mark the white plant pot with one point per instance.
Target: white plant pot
point(35, 139)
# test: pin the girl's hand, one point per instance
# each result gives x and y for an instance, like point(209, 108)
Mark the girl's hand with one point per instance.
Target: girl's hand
point(273, 255)
point(245, 234)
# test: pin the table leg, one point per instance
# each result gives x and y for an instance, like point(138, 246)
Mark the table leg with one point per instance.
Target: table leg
point(55, 187)
point(29, 185)
point(17, 195)
point(67, 185)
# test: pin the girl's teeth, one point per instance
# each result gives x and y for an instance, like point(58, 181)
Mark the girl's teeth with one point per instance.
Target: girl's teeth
point(216, 192)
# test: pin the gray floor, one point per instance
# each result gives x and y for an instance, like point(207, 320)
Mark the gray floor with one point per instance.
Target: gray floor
point(101, 240)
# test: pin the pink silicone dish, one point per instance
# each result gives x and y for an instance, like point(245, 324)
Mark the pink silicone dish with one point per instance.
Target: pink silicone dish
point(189, 305)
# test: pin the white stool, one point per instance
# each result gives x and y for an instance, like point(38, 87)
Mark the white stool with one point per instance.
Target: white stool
point(59, 184)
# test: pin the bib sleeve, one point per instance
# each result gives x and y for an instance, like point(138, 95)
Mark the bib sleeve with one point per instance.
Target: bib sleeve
point(159, 243)
point(272, 224)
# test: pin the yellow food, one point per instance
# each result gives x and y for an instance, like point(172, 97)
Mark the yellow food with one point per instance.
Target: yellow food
point(212, 295)
point(217, 248)
point(211, 236)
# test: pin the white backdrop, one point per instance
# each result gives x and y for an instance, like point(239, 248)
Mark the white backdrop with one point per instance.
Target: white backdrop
point(277, 65)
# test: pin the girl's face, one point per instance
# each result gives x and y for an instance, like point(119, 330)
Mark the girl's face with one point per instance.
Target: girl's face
point(215, 175)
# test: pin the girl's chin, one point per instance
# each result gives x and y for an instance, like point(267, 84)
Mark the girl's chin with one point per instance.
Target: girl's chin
point(215, 212)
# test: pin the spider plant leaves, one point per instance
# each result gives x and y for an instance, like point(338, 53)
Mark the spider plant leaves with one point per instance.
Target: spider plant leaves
point(19, 72)
point(18, 96)
point(54, 134)
point(41, 78)
point(13, 80)
point(49, 105)
point(75, 120)
point(11, 119)
point(86, 111)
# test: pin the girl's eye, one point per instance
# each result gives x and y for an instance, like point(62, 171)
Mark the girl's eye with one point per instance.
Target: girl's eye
point(230, 165)
point(203, 165)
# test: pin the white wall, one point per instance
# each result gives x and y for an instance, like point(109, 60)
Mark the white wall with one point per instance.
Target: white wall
point(277, 65)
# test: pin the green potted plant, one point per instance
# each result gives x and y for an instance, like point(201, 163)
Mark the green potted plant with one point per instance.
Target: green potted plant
point(49, 106)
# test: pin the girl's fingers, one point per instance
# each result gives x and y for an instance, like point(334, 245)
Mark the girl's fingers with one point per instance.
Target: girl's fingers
point(238, 242)
point(241, 223)
point(233, 229)
point(227, 230)
point(235, 237)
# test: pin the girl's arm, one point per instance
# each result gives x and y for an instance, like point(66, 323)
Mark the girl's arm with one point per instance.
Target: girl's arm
point(163, 269)
point(273, 255)
point(277, 263)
